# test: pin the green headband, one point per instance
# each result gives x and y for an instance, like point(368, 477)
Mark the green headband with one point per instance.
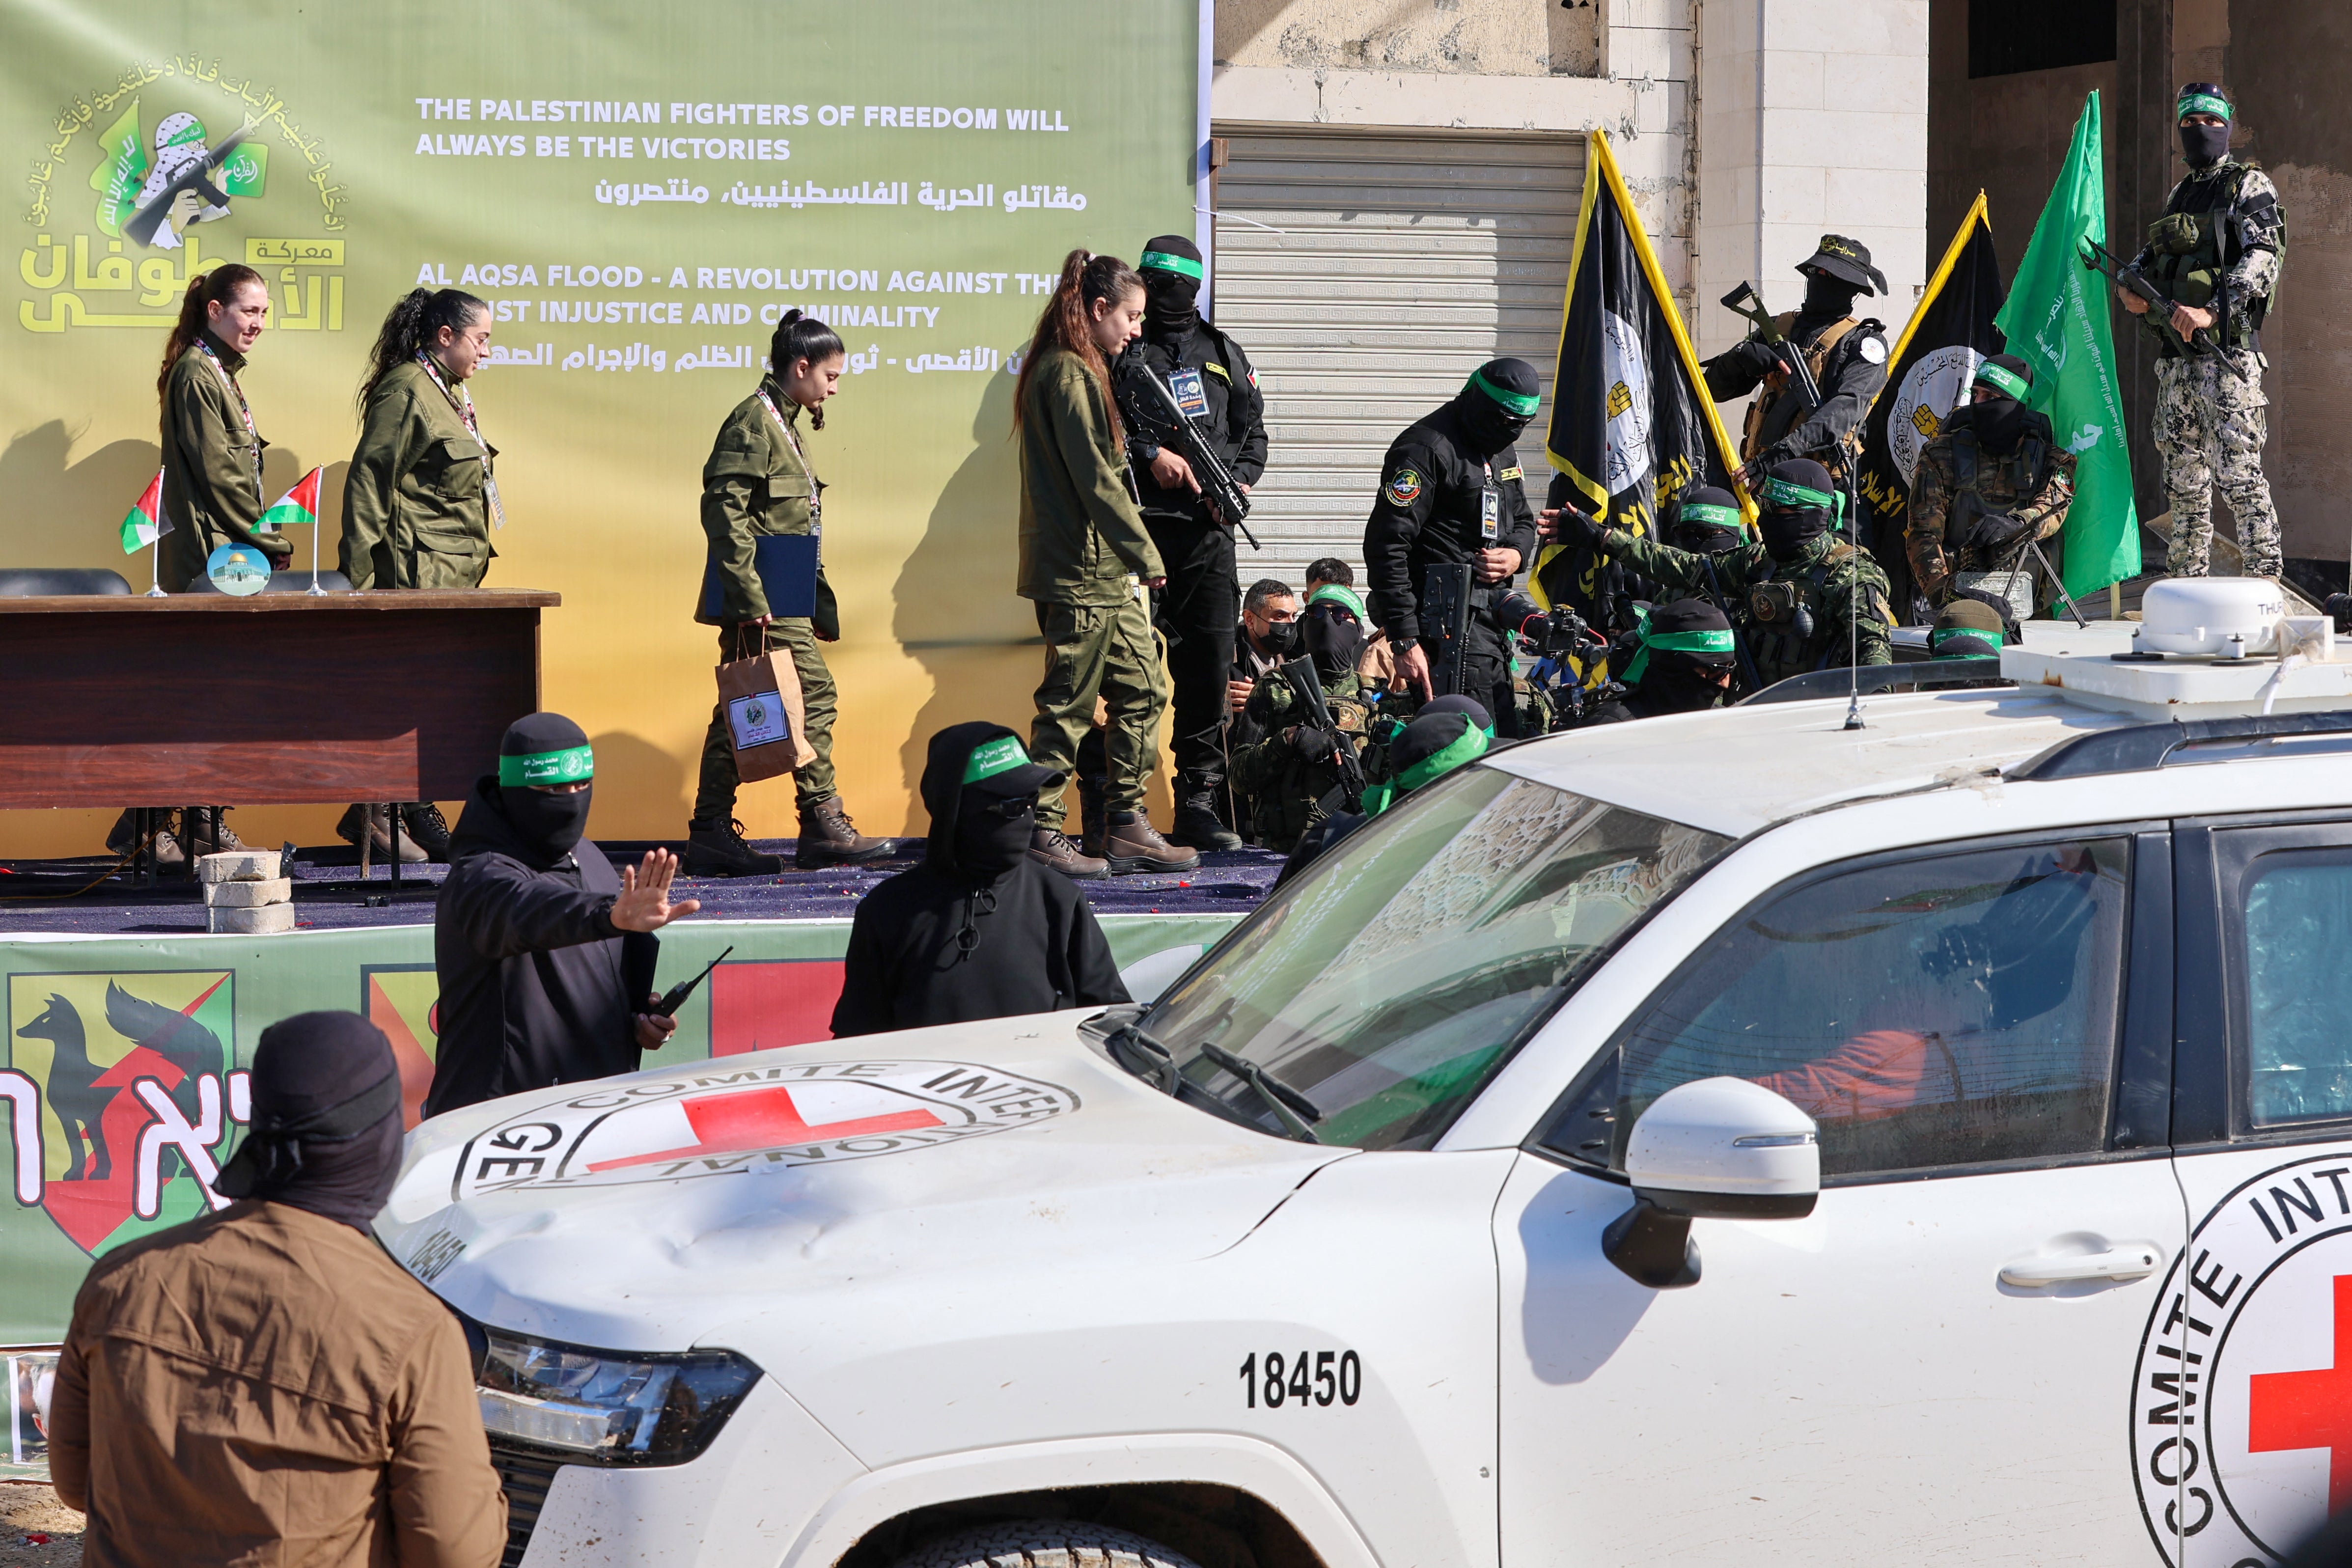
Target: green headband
point(1790, 496)
point(2003, 380)
point(1524, 404)
point(1182, 265)
point(1709, 512)
point(572, 764)
point(1339, 594)
point(1710, 641)
point(1936, 638)
point(1001, 755)
point(2202, 104)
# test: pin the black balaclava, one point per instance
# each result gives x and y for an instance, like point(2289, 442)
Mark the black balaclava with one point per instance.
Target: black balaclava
point(2205, 145)
point(1470, 707)
point(545, 749)
point(1331, 631)
point(1171, 288)
point(1682, 644)
point(1827, 297)
point(1798, 504)
point(325, 1135)
point(1708, 520)
point(1496, 404)
point(2000, 420)
point(967, 839)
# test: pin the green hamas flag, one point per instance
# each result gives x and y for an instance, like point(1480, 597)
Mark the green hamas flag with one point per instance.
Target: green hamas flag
point(2056, 320)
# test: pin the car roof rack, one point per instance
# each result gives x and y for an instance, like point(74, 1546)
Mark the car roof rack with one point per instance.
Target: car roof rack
point(2142, 747)
point(1880, 680)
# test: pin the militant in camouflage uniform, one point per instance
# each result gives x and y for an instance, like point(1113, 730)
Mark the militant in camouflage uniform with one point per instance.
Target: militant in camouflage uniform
point(1289, 779)
point(2216, 252)
point(1992, 478)
point(1804, 598)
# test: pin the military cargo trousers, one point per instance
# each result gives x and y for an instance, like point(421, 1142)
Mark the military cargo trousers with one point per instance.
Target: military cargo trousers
point(1107, 651)
point(2209, 430)
point(714, 796)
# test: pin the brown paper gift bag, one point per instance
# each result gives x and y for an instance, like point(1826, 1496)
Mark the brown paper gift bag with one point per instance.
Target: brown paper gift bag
point(760, 695)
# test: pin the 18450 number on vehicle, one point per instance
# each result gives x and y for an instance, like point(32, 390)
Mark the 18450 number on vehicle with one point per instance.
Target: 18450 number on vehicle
point(1273, 1381)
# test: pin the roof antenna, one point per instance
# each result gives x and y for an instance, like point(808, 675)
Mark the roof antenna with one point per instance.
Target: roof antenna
point(1853, 620)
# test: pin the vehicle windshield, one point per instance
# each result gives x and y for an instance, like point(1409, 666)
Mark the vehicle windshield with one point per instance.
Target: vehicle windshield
point(1381, 990)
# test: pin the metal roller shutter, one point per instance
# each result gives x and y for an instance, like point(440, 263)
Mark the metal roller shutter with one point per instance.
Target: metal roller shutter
point(1404, 261)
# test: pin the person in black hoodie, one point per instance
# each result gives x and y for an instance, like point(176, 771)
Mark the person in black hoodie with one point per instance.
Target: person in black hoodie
point(540, 948)
point(980, 930)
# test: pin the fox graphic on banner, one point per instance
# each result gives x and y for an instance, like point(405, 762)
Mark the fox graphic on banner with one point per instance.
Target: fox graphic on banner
point(2056, 319)
point(1631, 423)
point(1950, 333)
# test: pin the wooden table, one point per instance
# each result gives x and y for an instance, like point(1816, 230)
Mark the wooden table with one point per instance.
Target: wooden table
point(278, 698)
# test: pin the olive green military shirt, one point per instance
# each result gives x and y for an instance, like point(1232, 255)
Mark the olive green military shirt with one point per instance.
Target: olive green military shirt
point(416, 510)
point(212, 480)
point(1852, 586)
point(2002, 485)
point(1285, 788)
point(1081, 532)
point(758, 481)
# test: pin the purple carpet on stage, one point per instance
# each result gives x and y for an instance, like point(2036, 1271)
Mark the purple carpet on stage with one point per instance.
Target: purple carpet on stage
point(329, 895)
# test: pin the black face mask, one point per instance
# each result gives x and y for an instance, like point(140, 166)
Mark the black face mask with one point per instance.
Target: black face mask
point(2000, 424)
point(1281, 638)
point(1170, 307)
point(1786, 532)
point(988, 843)
point(2204, 145)
point(1333, 640)
point(1488, 427)
point(1672, 684)
point(1827, 296)
point(551, 823)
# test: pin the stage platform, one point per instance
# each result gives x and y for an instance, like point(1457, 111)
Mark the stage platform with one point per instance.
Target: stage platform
point(329, 896)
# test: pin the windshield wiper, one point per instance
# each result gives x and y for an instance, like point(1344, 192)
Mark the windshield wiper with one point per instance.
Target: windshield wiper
point(1293, 1110)
point(1149, 1057)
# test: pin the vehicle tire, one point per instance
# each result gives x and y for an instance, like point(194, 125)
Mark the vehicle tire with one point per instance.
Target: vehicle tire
point(1044, 1543)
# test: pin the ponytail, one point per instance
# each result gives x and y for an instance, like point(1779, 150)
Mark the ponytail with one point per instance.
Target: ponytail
point(218, 286)
point(798, 337)
point(413, 325)
point(1068, 322)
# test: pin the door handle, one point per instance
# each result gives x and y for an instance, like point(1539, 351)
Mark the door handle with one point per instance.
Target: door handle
point(2131, 1260)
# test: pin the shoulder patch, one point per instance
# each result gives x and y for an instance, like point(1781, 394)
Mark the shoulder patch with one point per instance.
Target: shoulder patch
point(1251, 374)
point(1218, 370)
point(1403, 487)
point(1874, 349)
point(1513, 473)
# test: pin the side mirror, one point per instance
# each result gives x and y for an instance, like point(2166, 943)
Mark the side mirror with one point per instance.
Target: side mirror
point(1715, 1148)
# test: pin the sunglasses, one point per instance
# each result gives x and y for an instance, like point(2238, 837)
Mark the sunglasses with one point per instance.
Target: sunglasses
point(1012, 808)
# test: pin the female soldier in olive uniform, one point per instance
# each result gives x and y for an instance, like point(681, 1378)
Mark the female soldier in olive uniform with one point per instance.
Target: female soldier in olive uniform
point(758, 481)
point(212, 450)
point(419, 502)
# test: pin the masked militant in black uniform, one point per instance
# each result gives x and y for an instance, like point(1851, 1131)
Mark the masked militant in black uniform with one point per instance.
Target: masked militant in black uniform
point(1452, 492)
point(1806, 599)
point(1847, 356)
point(1683, 663)
point(1211, 381)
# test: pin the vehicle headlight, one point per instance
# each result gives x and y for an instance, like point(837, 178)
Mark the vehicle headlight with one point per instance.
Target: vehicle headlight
point(606, 1407)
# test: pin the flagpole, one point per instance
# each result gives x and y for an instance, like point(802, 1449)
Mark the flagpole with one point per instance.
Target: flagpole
point(316, 523)
point(155, 566)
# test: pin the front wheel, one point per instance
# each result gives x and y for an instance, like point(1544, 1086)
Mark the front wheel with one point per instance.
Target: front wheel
point(1044, 1543)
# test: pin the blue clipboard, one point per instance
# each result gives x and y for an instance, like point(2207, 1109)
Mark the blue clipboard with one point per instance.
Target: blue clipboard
point(787, 567)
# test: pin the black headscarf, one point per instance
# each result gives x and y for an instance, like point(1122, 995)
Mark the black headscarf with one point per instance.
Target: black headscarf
point(2001, 421)
point(325, 1135)
point(1496, 404)
point(1171, 290)
point(545, 749)
point(1331, 631)
point(1789, 516)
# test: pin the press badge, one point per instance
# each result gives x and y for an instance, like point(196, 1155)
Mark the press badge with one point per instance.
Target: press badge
point(1490, 514)
point(1190, 395)
point(497, 512)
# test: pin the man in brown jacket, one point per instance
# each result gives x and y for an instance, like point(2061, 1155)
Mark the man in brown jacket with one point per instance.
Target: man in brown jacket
point(265, 1385)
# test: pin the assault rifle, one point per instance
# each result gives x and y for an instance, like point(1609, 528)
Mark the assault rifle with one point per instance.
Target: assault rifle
point(197, 177)
point(1300, 676)
point(1445, 620)
point(1227, 501)
point(2097, 257)
point(1745, 302)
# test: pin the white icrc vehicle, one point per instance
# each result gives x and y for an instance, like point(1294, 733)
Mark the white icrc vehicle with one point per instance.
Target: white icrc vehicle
point(1728, 1139)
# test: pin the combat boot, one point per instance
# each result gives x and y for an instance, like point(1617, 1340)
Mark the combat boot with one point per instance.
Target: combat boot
point(423, 823)
point(1197, 826)
point(1135, 845)
point(206, 832)
point(1091, 816)
point(375, 823)
point(1051, 848)
point(828, 839)
point(121, 840)
point(716, 849)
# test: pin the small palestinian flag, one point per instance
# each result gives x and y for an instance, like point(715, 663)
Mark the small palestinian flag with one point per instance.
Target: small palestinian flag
point(299, 505)
point(146, 522)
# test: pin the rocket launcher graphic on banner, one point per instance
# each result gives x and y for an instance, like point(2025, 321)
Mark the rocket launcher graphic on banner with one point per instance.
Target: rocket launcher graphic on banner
point(1632, 423)
point(299, 505)
point(146, 523)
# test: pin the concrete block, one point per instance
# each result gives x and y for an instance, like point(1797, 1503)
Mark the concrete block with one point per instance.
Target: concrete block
point(268, 919)
point(1848, 26)
point(238, 865)
point(1844, 139)
point(249, 894)
point(1658, 53)
point(1875, 198)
